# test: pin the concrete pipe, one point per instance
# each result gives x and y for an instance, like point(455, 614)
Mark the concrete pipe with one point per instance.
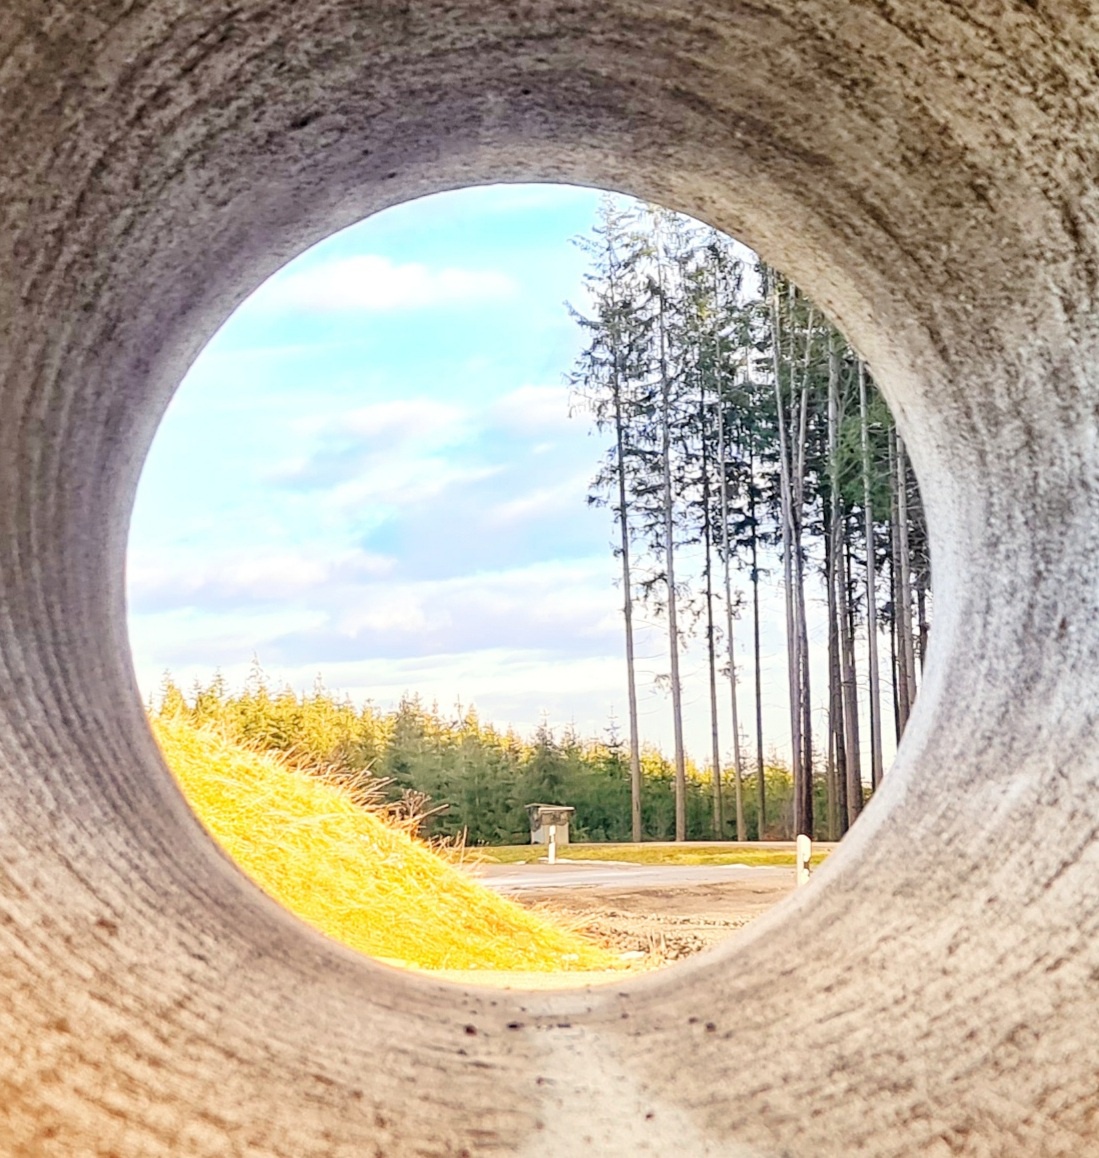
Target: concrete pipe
point(927, 172)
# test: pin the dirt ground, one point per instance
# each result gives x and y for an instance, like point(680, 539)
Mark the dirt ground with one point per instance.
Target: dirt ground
point(665, 923)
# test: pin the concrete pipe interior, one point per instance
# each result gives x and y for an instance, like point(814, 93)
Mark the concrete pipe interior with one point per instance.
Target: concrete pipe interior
point(926, 173)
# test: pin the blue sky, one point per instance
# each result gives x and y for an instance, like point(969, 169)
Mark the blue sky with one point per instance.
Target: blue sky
point(371, 474)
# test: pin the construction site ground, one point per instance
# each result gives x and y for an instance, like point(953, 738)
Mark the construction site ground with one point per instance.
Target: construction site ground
point(665, 912)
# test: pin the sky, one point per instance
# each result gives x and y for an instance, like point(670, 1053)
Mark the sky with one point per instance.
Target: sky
point(373, 475)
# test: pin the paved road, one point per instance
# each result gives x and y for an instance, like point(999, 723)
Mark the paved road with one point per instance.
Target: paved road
point(517, 878)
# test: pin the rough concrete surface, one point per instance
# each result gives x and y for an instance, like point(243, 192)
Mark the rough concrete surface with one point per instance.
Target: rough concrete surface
point(926, 170)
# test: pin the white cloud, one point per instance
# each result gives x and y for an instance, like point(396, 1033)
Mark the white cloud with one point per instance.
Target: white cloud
point(541, 503)
point(390, 455)
point(403, 427)
point(404, 418)
point(261, 577)
point(398, 483)
point(572, 596)
point(532, 409)
point(371, 283)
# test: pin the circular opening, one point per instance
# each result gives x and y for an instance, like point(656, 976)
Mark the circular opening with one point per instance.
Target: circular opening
point(377, 585)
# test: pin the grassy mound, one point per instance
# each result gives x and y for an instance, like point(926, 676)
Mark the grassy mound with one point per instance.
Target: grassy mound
point(353, 876)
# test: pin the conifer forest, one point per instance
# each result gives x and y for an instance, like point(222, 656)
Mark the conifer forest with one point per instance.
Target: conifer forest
point(745, 436)
point(745, 446)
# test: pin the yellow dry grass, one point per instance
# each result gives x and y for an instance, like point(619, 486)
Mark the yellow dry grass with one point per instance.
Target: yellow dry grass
point(353, 876)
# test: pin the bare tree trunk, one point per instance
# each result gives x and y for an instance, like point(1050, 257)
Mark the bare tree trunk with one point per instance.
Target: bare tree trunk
point(902, 693)
point(804, 811)
point(894, 669)
point(921, 582)
point(833, 754)
point(793, 632)
point(711, 650)
point(737, 767)
point(761, 784)
point(925, 627)
point(904, 594)
point(871, 592)
point(627, 612)
point(669, 558)
point(803, 788)
point(673, 648)
point(833, 552)
point(850, 686)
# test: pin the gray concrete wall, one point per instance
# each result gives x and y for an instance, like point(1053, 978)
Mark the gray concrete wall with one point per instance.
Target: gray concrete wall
point(927, 172)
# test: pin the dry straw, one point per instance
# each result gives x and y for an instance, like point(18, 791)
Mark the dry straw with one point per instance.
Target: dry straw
point(343, 869)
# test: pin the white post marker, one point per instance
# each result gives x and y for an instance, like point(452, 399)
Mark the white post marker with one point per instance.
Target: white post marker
point(804, 852)
point(551, 855)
